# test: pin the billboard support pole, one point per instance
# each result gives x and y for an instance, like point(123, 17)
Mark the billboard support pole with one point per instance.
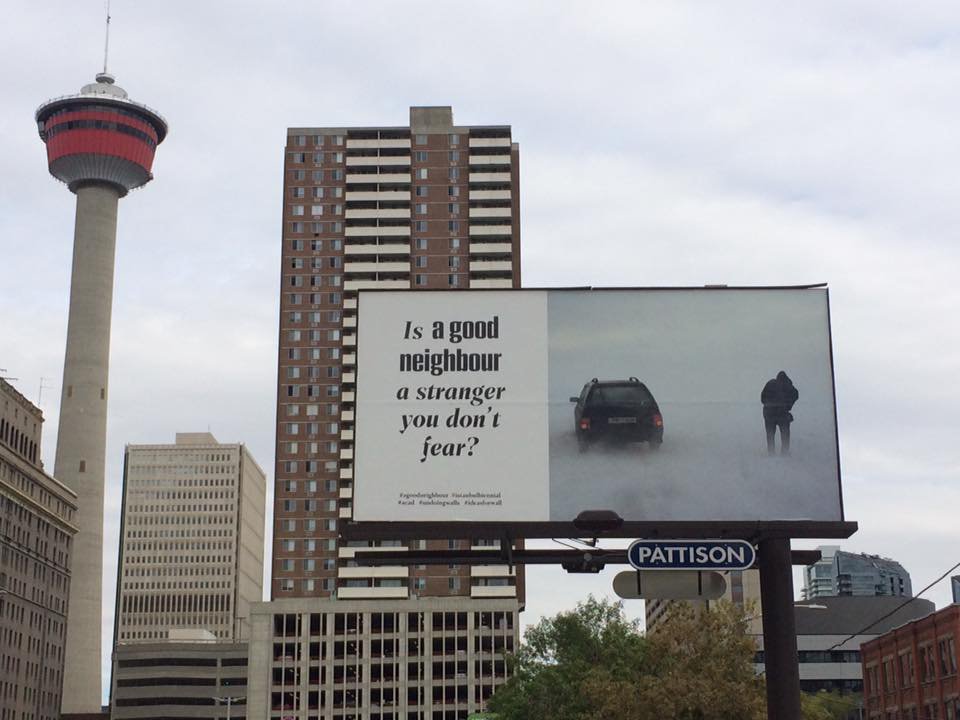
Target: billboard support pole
point(779, 629)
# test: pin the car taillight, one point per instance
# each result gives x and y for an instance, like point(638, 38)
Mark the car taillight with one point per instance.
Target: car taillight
point(584, 423)
point(658, 421)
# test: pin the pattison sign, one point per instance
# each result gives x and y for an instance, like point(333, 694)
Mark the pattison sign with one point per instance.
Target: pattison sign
point(691, 554)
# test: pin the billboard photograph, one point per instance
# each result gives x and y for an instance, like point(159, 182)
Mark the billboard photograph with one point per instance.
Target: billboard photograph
point(537, 405)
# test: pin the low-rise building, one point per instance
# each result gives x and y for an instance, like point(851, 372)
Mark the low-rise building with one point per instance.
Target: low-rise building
point(36, 532)
point(910, 672)
point(192, 675)
point(830, 631)
point(416, 659)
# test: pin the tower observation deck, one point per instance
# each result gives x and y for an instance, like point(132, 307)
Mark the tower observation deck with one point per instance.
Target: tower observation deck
point(101, 144)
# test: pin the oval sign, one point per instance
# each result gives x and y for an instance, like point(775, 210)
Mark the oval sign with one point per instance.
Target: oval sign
point(691, 554)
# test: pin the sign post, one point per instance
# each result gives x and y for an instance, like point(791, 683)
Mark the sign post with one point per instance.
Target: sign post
point(779, 630)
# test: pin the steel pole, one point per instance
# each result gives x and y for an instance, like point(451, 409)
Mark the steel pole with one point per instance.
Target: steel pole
point(779, 630)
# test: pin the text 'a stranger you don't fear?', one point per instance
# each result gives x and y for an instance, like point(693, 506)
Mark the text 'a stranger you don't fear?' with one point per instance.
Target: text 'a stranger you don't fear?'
point(469, 409)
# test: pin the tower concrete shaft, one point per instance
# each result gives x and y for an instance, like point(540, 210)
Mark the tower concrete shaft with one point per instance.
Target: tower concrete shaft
point(81, 439)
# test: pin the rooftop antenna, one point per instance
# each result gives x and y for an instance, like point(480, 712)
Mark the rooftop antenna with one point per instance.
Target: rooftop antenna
point(106, 43)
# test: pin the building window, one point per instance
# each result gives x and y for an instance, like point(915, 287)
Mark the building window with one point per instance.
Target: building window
point(453, 208)
point(420, 261)
point(420, 156)
point(286, 585)
point(421, 140)
point(454, 156)
point(453, 191)
point(316, 210)
point(421, 243)
point(453, 584)
point(318, 140)
point(453, 225)
point(454, 139)
point(317, 193)
point(420, 279)
point(316, 175)
point(453, 262)
point(421, 191)
point(297, 192)
point(453, 280)
point(296, 210)
point(421, 173)
point(421, 208)
point(454, 243)
point(420, 226)
point(454, 173)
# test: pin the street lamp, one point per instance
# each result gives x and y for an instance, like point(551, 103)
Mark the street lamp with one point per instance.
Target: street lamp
point(229, 701)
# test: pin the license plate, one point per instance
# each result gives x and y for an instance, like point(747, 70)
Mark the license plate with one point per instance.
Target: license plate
point(622, 420)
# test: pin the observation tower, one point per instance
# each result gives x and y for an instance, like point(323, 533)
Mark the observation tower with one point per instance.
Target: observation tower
point(101, 145)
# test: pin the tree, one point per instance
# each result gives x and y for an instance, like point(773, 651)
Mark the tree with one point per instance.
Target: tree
point(592, 664)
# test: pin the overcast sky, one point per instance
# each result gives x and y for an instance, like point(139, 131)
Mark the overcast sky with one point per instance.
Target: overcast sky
point(664, 143)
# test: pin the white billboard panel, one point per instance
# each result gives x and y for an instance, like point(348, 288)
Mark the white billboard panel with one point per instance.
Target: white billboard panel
point(535, 405)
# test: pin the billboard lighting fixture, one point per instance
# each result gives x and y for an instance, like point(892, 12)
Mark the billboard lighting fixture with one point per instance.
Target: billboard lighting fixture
point(598, 520)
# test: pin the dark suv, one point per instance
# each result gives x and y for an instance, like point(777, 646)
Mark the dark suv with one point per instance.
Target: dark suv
point(617, 411)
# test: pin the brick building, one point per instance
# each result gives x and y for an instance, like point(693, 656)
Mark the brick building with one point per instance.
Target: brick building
point(36, 531)
point(910, 672)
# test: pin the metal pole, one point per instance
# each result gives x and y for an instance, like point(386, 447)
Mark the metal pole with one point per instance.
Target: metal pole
point(779, 630)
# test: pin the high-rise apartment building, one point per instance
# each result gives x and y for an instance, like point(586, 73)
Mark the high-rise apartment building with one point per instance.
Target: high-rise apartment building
point(37, 525)
point(844, 573)
point(431, 205)
point(191, 539)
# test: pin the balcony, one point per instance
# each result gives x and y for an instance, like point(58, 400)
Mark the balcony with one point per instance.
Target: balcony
point(346, 473)
point(367, 213)
point(489, 177)
point(489, 159)
point(485, 212)
point(490, 142)
point(349, 322)
point(349, 552)
point(346, 435)
point(381, 160)
point(346, 453)
point(481, 230)
point(346, 416)
point(482, 195)
point(378, 231)
point(373, 285)
point(350, 303)
point(348, 397)
point(390, 248)
point(372, 593)
point(377, 195)
point(494, 591)
point(380, 571)
point(499, 266)
point(385, 178)
point(352, 338)
point(374, 267)
point(345, 513)
point(345, 493)
point(492, 571)
point(378, 143)
point(491, 283)
point(490, 248)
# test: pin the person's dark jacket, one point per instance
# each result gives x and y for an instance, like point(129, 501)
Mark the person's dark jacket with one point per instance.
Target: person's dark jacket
point(778, 397)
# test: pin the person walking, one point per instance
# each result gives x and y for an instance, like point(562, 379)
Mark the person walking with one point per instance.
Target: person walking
point(778, 397)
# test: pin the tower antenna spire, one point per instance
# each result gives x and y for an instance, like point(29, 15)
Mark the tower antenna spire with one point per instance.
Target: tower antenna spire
point(106, 43)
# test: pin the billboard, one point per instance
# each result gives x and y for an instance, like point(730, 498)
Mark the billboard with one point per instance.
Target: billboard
point(536, 405)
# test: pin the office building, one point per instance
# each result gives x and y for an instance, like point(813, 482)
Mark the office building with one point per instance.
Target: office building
point(910, 672)
point(101, 144)
point(830, 631)
point(37, 526)
point(417, 659)
point(430, 205)
point(190, 675)
point(844, 573)
point(191, 547)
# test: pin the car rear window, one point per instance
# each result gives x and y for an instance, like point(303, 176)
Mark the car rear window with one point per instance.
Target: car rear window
point(619, 395)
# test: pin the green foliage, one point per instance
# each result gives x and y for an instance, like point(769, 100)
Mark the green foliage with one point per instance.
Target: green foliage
point(593, 664)
point(829, 706)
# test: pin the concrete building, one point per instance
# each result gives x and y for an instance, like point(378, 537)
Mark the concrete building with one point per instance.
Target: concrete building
point(182, 678)
point(430, 205)
point(743, 589)
point(829, 657)
point(37, 526)
point(418, 659)
point(101, 145)
point(191, 549)
point(844, 573)
point(910, 672)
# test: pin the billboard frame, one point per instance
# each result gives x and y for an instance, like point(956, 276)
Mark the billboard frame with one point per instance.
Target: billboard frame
point(511, 531)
